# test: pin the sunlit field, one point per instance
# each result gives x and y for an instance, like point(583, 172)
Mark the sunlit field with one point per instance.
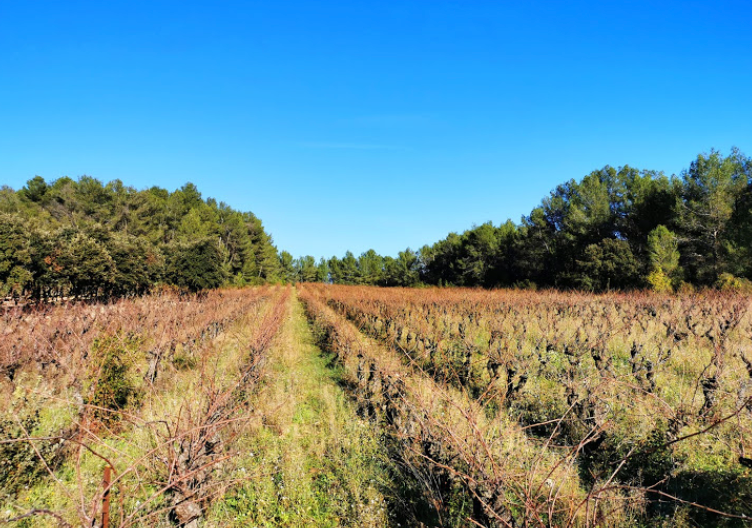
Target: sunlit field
point(358, 406)
point(514, 408)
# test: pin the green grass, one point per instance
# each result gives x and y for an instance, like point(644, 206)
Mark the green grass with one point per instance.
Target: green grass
point(309, 461)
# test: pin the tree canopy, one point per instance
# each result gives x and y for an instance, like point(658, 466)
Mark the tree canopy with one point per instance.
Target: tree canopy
point(616, 228)
point(85, 238)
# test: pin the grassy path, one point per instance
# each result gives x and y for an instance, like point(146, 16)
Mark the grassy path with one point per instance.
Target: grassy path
point(309, 461)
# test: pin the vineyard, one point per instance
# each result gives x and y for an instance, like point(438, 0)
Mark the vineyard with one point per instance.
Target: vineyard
point(552, 409)
point(360, 406)
point(153, 389)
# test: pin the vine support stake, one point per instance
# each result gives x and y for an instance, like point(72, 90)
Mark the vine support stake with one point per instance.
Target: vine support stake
point(106, 498)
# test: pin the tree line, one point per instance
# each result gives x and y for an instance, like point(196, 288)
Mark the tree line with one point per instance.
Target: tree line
point(369, 268)
point(616, 228)
point(82, 238)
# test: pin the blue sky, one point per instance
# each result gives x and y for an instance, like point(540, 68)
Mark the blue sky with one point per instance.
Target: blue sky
point(357, 125)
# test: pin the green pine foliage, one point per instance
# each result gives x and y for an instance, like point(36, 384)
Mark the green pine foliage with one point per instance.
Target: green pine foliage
point(82, 238)
point(617, 228)
point(613, 229)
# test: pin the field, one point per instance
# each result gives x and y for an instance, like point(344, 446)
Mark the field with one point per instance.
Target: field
point(328, 405)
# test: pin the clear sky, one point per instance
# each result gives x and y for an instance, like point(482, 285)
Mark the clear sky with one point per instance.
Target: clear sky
point(383, 124)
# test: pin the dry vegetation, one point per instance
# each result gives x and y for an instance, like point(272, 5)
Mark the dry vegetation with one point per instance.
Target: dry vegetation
point(426, 407)
point(155, 388)
point(550, 409)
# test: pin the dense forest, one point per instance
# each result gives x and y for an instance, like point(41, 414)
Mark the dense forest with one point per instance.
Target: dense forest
point(617, 228)
point(82, 238)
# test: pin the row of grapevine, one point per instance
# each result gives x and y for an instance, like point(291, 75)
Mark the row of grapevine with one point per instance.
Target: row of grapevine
point(653, 393)
point(469, 467)
point(155, 388)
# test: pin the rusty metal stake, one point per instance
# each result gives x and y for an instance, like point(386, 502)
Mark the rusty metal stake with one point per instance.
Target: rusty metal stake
point(106, 498)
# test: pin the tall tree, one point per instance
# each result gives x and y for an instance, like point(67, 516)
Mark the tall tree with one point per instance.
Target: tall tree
point(287, 265)
point(370, 267)
point(306, 269)
point(712, 187)
point(322, 271)
point(15, 255)
point(402, 271)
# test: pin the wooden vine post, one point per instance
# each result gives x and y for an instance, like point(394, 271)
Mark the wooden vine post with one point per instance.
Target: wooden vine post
point(106, 498)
